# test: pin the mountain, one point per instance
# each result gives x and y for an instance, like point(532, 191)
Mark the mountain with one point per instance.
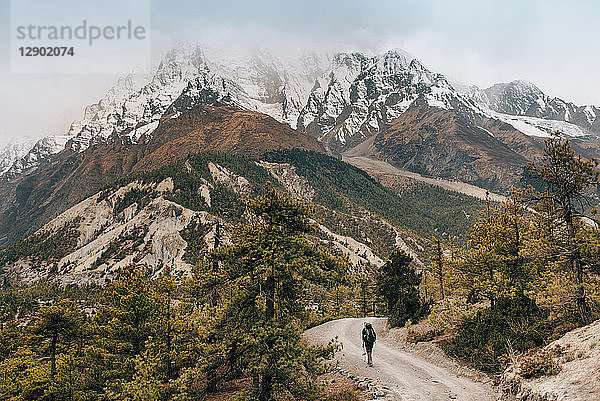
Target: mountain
point(171, 213)
point(359, 94)
point(534, 108)
point(522, 98)
point(465, 151)
point(342, 100)
point(11, 152)
point(187, 77)
point(70, 176)
point(388, 107)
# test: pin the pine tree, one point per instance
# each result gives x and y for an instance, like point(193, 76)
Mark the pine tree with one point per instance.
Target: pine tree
point(57, 322)
point(398, 283)
point(267, 268)
point(126, 319)
point(439, 267)
point(567, 178)
point(500, 257)
point(165, 291)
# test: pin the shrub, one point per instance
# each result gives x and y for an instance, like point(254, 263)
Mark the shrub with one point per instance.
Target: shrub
point(447, 315)
point(540, 362)
point(486, 339)
point(415, 336)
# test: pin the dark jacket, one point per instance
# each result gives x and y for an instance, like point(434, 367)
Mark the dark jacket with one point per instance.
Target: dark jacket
point(365, 335)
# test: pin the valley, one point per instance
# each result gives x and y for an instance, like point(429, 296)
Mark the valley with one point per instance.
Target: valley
point(190, 232)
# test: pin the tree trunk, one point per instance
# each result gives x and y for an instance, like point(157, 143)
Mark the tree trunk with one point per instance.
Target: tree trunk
point(169, 364)
point(440, 267)
point(266, 388)
point(270, 301)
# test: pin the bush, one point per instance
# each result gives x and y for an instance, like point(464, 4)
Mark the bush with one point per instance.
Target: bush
point(446, 316)
point(345, 395)
point(414, 336)
point(540, 362)
point(513, 324)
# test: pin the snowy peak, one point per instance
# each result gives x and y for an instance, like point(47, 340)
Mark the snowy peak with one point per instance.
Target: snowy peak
point(11, 152)
point(185, 77)
point(341, 99)
point(516, 98)
point(359, 94)
point(531, 106)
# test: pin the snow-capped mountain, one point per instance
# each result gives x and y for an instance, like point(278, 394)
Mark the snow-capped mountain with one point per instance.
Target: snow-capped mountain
point(342, 100)
point(359, 94)
point(13, 151)
point(533, 108)
point(98, 119)
point(185, 77)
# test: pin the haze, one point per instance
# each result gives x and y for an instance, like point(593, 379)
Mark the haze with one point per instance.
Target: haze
point(553, 44)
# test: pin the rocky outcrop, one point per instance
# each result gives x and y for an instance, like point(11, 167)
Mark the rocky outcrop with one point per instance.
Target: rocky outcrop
point(359, 94)
point(110, 235)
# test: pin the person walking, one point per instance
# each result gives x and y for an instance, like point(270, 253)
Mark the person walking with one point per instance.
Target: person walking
point(369, 337)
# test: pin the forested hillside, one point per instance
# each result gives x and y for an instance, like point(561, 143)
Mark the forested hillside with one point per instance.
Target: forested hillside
point(209, 269)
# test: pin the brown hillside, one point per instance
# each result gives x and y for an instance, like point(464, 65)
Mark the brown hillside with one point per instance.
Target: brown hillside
point(32, 200)
point(443, 143)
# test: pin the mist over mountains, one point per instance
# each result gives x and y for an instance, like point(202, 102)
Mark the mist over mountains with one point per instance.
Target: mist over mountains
point(388, 107)
point(341, 99)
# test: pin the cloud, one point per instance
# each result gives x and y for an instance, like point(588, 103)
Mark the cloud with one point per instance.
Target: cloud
point(552, 43)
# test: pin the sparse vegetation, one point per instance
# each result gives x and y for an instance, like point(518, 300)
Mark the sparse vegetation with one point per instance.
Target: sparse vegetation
point(141, 197)
point(540, 362)
point(528, 269)
point(45, 247)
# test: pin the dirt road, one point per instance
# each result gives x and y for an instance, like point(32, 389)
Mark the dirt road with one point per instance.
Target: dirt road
point(380, 167)
point(403, 376)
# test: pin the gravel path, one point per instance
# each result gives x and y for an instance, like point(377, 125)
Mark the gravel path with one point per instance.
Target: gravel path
point(396, 374)
point(381, 167)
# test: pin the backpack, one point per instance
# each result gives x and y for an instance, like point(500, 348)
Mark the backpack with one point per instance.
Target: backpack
point(369, 335)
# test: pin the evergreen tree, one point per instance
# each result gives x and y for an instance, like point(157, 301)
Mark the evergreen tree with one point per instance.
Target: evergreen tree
point(125, 321)
point(55, 323)
point(498, 260)
point(438, 267)
point(567, 178)
point(267, 268)
point(398, 283)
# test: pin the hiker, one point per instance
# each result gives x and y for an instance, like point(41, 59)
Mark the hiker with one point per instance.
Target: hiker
point(369, 337)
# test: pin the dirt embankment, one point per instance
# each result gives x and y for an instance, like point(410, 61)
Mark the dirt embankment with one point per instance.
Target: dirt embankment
point(576, 358)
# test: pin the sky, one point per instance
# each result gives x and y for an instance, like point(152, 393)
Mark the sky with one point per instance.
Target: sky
point(552, 43)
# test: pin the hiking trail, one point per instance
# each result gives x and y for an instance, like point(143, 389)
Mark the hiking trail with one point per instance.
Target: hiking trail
point(396, 374)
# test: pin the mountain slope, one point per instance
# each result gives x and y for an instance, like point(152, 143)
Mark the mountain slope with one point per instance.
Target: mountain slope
point(341, 100)
point(390, 104)
point(70, 176)
point(187, 76)
point(524, 99)
point(11, 152)
point(444, 143)
point(171, 213)
point(359, 94)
